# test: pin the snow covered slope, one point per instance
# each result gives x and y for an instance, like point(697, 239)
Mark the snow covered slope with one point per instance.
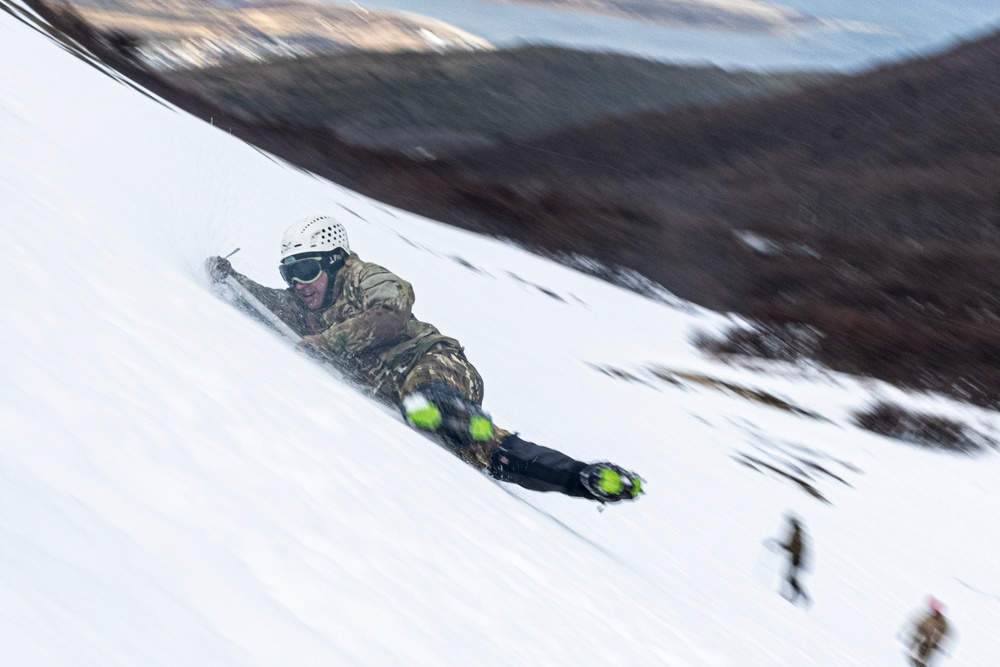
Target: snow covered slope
point(178, 487)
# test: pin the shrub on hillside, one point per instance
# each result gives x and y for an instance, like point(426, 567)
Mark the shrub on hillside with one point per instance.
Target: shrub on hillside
point(776, 342)
point(931, 431)
point(125, 43)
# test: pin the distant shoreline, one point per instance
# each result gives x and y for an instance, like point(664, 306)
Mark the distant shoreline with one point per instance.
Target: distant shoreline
point(190, 35)
point(704, 15)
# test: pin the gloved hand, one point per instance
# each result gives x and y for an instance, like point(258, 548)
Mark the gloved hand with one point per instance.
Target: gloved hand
point(315, 345)
point(218, 268)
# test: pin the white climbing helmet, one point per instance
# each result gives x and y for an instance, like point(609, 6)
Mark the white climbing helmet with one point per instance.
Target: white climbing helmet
point(319, 233)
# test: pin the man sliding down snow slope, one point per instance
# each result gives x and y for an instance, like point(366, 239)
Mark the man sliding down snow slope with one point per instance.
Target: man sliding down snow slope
point(357, 315)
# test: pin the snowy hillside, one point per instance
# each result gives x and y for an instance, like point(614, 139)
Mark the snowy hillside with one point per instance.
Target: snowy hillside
point(179, 487)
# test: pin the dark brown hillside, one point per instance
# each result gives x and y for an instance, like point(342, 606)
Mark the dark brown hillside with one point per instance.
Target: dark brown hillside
point(868, 208)
point(905, 123)
point(451, 101)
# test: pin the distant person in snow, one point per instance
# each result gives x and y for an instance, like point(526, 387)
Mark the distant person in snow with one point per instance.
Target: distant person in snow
point(795, 545)
point(928, 635)
point(358, 316)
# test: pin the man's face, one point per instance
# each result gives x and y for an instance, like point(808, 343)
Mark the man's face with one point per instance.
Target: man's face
point(311, 294)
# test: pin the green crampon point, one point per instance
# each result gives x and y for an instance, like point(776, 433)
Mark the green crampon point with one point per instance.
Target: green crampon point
point(427, 417)
point(611, 482)
point(481, 428)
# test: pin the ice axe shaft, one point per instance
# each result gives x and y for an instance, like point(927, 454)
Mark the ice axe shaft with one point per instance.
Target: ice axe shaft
point(253, 302)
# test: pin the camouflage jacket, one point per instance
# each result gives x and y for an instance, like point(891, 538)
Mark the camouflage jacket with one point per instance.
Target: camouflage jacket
point(930, 630)
point(370, 331)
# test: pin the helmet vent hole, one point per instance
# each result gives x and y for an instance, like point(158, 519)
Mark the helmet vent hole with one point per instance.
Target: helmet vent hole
point(319, 233)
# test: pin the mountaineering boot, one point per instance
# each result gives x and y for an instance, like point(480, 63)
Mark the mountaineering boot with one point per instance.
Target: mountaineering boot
point(542, 469)
point(440, 408)
point(609, 483)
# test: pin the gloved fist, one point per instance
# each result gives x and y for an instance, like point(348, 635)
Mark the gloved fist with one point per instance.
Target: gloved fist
point(218, 268)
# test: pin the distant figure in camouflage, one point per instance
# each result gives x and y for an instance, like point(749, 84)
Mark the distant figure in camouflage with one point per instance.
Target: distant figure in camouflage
point(929, 632)
point(795, 545)
point(358, 316)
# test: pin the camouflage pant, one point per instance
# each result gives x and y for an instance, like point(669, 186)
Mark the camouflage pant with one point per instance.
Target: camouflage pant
point(921, 652)
point(445, 363)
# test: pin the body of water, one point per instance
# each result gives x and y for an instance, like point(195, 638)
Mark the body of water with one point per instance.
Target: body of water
point(898, 29)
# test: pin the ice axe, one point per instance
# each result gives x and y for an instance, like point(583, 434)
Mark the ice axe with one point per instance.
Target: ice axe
point(244, 295)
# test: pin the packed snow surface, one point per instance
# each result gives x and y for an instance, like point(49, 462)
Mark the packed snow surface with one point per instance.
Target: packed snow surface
point(180, 486)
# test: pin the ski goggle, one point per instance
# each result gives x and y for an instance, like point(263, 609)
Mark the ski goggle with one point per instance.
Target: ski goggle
point(302, 271)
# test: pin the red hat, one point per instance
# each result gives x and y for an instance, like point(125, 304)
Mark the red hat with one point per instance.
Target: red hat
point(935, 605)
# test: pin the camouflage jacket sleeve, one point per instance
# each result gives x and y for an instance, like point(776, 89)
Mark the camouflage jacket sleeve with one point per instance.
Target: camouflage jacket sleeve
point(281, 302)
point(380, 304)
